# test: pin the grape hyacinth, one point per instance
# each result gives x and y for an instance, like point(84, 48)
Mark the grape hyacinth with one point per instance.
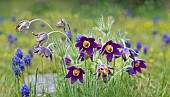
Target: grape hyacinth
point(25, 91)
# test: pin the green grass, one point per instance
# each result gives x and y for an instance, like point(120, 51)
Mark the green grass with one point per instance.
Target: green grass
point(154, 81)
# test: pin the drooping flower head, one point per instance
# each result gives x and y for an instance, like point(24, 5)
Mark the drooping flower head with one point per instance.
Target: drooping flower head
point(67, 60)
point(62, 23)
point(24, 24)
point(19, 53)
point(128, 44)
point(86, 44)
point(128, 52)
point(41, 38)
point(75, 73)
point(138, 45)
point(44, 51)
point(27, 60)
point(111, 48)
point(78, 37)
point(25, 91)
point(137, 65)
point(99, 44)
point(145, 49)
point(104, 71)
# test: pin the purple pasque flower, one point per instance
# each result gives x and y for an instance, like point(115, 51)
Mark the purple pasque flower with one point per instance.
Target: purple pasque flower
point(128, 44)
point(24, 24)
point(137, 65)
point(67, 60)
point(128, 52)
point(104, 71)
point(109, 49)
point(75, 73)
point(44, 51)
point(78, 37)
point(138, 45)
point(145, 49)
point(41, 38)
point(130, 70)
point(99, 44)
point(83, 55)
point(19, 53)
point(62, 23)
point(27, 60)
point(86, 44)
point(25, 91)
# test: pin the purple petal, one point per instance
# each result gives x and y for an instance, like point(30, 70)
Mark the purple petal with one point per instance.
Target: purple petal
point(71, 67)
point(139, 70)
point(90, 39)
point(117, 45)
point(109, 57)
point(70, 74)
point(81, 78)
point(79, 44)
point(142, 65)
point(110, 73)
point(94, 45)
point(98, 76)
point(83, 38)
point(82, 70)
point(89, 51)
point(104, 76)
point(116, 51)
point(74, 79)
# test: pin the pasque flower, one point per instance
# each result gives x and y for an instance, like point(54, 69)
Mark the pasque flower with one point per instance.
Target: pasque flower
point(111, 48)
point(67, 60)
point(25, 91)
point(86, 44)
point(44, 51)
point(128, 52)
point(24, 24)
point(104, 71)
point(137, 65)
point(41, 38)
point(75, 73)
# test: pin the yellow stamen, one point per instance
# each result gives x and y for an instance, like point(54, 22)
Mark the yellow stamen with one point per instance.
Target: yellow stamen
point(137, 64)
point(86, 44)
point(76, 72)
point(109, 48)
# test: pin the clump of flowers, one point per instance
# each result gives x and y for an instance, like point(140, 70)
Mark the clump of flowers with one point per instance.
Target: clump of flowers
point(77, 66)
point(25, 91)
